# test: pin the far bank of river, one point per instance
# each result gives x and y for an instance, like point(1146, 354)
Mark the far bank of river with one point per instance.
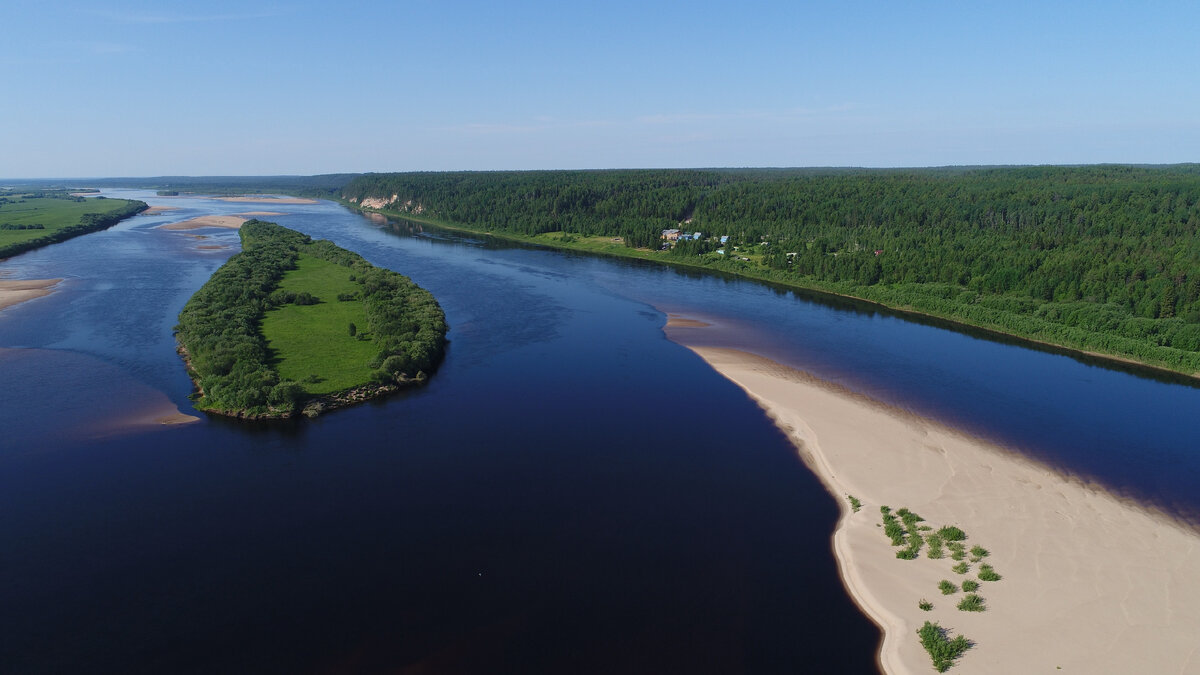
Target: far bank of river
point(1048, 338)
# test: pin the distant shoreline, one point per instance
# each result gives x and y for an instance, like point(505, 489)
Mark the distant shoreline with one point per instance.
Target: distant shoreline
point(1085, 574)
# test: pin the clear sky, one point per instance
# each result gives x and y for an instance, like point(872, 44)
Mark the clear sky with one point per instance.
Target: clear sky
point(120, 88)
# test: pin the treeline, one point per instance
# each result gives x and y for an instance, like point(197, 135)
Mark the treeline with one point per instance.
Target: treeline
point(89, 222)
point(1098, 257)
point(219, 326)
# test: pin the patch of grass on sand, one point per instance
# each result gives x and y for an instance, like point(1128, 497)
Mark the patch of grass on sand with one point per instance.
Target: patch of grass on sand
point(319, 351)
point(971, 603)
point(943, 650)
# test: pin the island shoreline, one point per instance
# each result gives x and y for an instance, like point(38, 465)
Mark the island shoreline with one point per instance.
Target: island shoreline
point(840, 436)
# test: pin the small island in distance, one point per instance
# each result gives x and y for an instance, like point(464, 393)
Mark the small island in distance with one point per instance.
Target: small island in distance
point(291, 325)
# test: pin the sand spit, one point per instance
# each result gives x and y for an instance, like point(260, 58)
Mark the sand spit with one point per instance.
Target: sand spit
point(16, 291)
point(1091, 584)
point(677, 321)
point(156, 210)
point(228, 222)
point(266, 199)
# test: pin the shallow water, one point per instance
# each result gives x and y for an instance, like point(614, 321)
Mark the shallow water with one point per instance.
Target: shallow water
point(570, 493)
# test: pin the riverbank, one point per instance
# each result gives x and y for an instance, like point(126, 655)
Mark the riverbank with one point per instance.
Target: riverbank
point(16, 291)
point(1089, 583)
point(1050, 337)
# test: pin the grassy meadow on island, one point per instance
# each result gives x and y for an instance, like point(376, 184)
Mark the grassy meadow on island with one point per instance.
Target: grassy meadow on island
point(291, 323)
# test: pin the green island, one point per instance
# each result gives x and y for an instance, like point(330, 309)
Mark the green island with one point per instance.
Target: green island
point(905, 528)
point(1102, 260)
point(30, 220)
point(291, 325)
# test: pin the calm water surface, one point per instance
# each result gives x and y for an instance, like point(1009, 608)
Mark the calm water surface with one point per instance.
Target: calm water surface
point(571, 493)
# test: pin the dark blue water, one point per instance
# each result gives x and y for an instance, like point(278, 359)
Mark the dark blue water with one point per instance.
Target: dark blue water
point(571, 493)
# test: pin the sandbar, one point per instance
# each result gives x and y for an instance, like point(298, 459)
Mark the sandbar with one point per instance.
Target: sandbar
point(155, 210)
point(228, 222)
point(1091, 583)
point(260, 199)
point(260, 213)
point(16, 291)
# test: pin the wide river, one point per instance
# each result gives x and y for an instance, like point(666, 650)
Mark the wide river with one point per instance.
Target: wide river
point(571, 493)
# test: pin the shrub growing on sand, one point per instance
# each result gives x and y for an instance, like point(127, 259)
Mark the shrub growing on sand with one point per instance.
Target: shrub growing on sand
point(935, 546)
point(986, 573)
point(952, 533)
point(970, 585)
point(971, 603)
point(957, 551)
point(925, 605)
point(978, 553)
point(961, 567)
point(946, 587)
point(854, 503)
point(941, 648)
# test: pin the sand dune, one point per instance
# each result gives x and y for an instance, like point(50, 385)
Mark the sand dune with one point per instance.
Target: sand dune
point(1091, 584)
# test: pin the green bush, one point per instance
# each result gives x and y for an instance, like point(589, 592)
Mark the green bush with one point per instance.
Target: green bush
point(971, 603)
point(854, 503)
point(935, 546)
point(925, 605)
point(961, 567)
point(970, 585)
point(942, 650)
point(947, 587)
point(986, 573)
point(952, 533)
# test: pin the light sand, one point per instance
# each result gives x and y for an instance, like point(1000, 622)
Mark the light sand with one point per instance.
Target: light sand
point(260, 213)
point(229, 222)
point(16, 291)
point(1090, 584)
point(260, 199)
point(156, 210)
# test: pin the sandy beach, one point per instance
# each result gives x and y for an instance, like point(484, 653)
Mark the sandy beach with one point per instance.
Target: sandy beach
point(15, 291)
point(1090, 583)
point(228, 222)
point(268, 200)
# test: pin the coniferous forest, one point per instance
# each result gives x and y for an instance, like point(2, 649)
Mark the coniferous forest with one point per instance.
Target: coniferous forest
point(1102, 258)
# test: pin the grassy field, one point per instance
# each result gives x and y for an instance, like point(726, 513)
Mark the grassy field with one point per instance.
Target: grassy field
point(52, 214)
point(320, 352)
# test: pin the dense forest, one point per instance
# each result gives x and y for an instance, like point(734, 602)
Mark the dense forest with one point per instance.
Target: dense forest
point(1102, 258)
point(219, 326)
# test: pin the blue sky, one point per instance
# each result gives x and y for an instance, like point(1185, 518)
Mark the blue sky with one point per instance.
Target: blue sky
point(202, 88)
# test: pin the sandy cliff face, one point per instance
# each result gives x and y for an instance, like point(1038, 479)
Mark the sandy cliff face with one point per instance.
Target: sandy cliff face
point(393, 203)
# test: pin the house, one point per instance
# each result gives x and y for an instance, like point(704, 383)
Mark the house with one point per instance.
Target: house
point(724, 238)
point(670, 235)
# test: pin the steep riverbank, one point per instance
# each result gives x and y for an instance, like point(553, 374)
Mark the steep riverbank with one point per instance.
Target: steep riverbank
point(1090, 583)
